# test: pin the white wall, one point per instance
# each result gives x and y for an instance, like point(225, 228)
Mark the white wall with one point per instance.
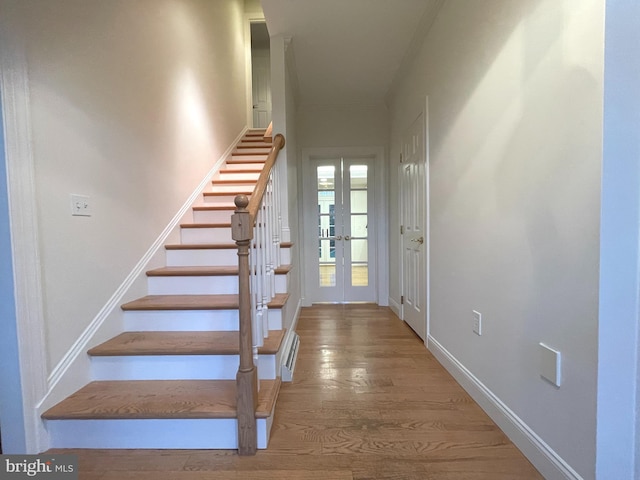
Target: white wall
point(131, 104)
point(284, 115)
point(343, 126)
point(515, 96)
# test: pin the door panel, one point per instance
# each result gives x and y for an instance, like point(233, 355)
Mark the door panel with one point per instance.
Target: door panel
point(414, 237)
point(261, 90)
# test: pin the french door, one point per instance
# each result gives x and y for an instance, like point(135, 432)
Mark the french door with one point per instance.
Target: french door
point(341, 231)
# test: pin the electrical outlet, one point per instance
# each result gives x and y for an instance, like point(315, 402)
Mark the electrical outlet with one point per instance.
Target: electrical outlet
point(80, 205)
point(477, 323)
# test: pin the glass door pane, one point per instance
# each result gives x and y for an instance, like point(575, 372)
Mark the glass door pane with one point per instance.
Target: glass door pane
point(357, 271)
point(329, 196)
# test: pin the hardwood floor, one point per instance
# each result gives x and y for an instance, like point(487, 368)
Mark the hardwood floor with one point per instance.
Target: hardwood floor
point(368, 401)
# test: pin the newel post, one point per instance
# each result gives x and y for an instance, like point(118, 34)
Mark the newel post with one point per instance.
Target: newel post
point(247, 376)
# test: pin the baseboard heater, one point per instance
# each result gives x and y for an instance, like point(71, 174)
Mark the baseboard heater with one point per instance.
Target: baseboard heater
point(290, 359)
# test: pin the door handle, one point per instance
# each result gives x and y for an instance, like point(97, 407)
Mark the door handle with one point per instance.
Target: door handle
point(419, 240)
point(347, 238)
point(338, 237)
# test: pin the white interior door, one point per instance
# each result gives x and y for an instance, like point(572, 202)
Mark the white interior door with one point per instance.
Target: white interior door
point(414, 235)
point(261, 89)
point(341, 231)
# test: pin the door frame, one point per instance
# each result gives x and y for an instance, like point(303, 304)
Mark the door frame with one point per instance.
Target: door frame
point(379, 189)
point(427, 220)
point(250, 18)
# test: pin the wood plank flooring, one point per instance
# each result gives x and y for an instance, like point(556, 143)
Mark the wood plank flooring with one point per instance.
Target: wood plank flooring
point(368, 401)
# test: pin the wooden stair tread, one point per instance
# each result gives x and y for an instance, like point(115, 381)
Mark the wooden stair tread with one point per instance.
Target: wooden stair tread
point(205, 225)
point(159, 399)
point(200, 271)
point(213, 208)
point(252, 151)
point(201, 246)
point(194, 302)
point(226, 171)
point(212, 246)
point(182, 343)
point(233, 181)
point(240, 160)
point(227, 194)
point(243, 145)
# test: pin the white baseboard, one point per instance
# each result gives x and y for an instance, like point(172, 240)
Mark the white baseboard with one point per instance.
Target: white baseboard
point(541, 455)
point(72, 372)
point(395, 307)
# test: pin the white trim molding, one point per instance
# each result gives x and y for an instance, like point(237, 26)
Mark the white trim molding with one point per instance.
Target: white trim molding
point(23, 219)
point(539, 453)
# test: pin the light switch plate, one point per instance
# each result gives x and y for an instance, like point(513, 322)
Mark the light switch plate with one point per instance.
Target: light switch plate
point(550, 364)
point(80, 205)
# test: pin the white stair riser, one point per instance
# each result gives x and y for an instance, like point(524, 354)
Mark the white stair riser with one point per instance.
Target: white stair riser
point(220, 199)
point(176, 367)
point(196, 257)
point(218, 433)
point(212, 216)
point(252, 151)
point(246, 189)
point(243, 166)
point(213, 236)
point(239, 176)
point(190, 320)
point(285, 256)
point(260, 158)
point(220, 284)
point(282, 283)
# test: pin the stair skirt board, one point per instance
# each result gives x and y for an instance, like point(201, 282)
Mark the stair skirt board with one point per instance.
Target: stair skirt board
point(191, 320)
point(207, 433)
point(196, 285)
point(177, 367)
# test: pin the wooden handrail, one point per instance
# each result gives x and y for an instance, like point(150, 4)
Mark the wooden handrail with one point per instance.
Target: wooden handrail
point(242, 225)
point(263, 179)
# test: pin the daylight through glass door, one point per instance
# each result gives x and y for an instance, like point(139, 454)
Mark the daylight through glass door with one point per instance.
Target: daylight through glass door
point(344, 233)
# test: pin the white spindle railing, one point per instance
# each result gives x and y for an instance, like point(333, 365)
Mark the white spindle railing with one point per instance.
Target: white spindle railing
point(255, 226)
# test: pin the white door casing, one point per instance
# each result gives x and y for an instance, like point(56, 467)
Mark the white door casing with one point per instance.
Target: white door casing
point(353, 223)
point(414, 237)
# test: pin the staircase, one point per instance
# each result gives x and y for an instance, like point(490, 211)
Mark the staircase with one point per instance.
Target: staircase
point(168, 381)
